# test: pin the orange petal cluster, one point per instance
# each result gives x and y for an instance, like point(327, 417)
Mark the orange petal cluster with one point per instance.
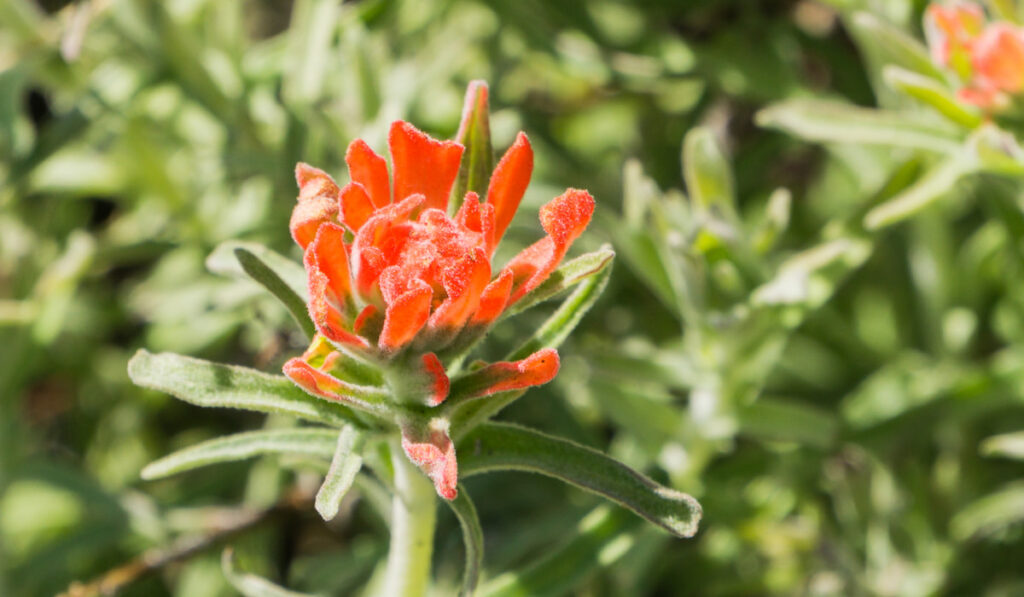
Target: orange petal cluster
point(395, 277)
point(987, 56)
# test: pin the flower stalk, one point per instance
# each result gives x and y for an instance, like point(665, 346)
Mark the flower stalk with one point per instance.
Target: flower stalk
point(413, 518)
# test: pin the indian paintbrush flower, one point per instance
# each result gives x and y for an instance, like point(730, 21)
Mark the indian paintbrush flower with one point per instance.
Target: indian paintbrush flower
point(402, 284)
point(988, 58)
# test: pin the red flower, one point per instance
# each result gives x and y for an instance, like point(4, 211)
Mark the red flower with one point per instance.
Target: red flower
point(394, 277)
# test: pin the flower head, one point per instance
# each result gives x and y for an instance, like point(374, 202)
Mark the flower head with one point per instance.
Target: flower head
point(397, 278)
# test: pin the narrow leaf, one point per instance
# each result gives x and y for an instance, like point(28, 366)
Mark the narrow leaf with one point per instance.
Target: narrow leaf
point(223, 261)
point(707, 173)
point(344, 466)
point(310, 38)
point(316, 442)
point(472, 538)
point(894, 46)
point(475, 135)
point(1007, 445)
point(933, 93)
point(830, 121)
point(498, 446)
point(209, 384)
point(990, 514)
point(565, 277)
point(602, 537)
point(562, 322)
point(935, 183)
point(250, 585)
point(265, 276)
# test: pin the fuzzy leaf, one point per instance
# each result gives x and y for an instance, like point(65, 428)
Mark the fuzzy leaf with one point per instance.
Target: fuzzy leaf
point(472, 538)
point(835, 122)
point(562, 322)
point(929, 91)
point(602, 537)
point(223, 261)
point(499, 446)
point(565, 277)
point(268, 278)
point(344, 466)
point(250, 585)
point(707, 173)
point(208, 384)
point(935, 183)
point(316, 442)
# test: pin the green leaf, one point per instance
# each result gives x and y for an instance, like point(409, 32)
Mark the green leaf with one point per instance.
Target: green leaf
point(990, 514)
point(344, 466)
point(250, 585)
point(472, 538)
point(707, 173)
point(475, 135)
point(499, 446)
point(224, 261)
point(894, 46)
point(308, 61)
point(261, 273)
point(783, 420)
point(934, 184)
point(602, 537)
point(933, 93)
point(836, 122)
point(1007, 445)
point(565, 277)
point(562, 322)
point(209, 384)
point(316, 442)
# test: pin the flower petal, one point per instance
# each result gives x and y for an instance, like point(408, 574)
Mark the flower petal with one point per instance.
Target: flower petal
point(463, 282)
point(370, 170)
point(355, 206)
point(564, 218)
point(508, 184)
point(440, 382)
point(536, 369)
point(433, 452)
point(493, 299)
point(478, 217)
point(406, 314)
point(330, 285)
point(423, 165)
point(317, 203)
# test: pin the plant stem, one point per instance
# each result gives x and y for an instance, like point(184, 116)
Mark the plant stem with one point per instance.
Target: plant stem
point(413, 514)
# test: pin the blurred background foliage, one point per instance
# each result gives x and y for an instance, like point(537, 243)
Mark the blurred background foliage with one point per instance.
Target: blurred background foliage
point(843, 400)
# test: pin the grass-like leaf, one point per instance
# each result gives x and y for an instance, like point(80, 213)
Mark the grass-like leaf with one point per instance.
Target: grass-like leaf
point(250, 585)
point(222, 260)
point(834, 122)
point(565, 277)
point(472, 538)
point(344, 466)
point(268, 278)
point(707, 173)
point(500, 446)
point(603, 536)
point(933, 93)
point(1006, 445)
point(935, 183)
point(316, 442)
point(208, 384)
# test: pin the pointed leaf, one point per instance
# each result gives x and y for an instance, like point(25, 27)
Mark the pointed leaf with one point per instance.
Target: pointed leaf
point(894, 46)
point(344, 466)
point(208, 384)
point(565, 277)
point(929, 91)
point(475, 135)
point(836, 122)
point(1007, 445)
point(562, 322)
point(472, 538)
point(250, 585)
point(707, 173)
point(316, 442)
point(261, 272)
point(498, 446)
point(602, 537)
point(223, 261)
point(933, 185)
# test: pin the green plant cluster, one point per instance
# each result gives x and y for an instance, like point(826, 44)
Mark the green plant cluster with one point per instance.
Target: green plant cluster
point(815, 325)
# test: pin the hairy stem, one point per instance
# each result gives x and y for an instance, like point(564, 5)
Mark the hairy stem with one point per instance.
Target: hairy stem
point(413, 514)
